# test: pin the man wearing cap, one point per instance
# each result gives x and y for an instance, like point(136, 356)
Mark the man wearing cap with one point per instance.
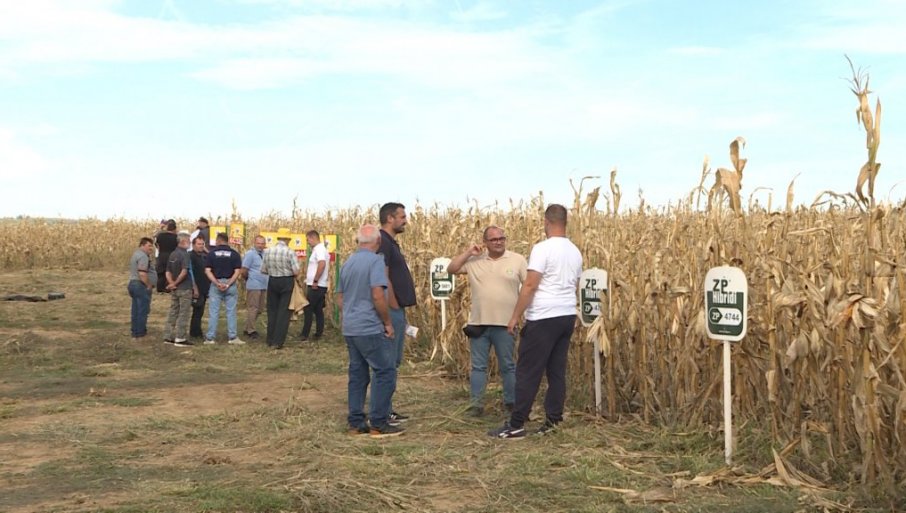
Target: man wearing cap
point(203, 230)
point(223, 266)
point(279, 263)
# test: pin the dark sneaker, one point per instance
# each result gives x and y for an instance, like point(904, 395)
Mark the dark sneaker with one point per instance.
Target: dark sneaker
point(547, 428)
point(181, 342)
point(397, 417)
point(386, 431)
point(360, 430)
point(475, 411)
point(253, 335)
point(303, 339)
point(507, 432)
point(168, 341)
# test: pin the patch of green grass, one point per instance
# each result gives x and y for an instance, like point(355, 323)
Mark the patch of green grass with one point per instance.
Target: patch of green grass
point(57, 408)
point(277, 366)
point(100, 372)
point(94, 323)
point(211, 497)
point(7, 411)
point(131, 402)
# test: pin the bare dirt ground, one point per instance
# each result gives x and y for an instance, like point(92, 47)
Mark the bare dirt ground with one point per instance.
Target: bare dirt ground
point(93, 421)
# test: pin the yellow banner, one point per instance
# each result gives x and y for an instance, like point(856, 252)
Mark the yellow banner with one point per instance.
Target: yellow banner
point(214, 231)
point(237, 234)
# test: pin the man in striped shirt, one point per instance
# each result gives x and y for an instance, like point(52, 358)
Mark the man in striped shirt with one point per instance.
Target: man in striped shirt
point(281, 266)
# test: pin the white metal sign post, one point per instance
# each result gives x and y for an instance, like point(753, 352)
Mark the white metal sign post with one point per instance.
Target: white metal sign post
point(592, 288)
point(726, 312)
point(442, 285)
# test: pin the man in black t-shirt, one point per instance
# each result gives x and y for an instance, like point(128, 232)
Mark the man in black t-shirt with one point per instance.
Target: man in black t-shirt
point(401, 292)
point(223, 266)
point(165, 240)
point(202, 285)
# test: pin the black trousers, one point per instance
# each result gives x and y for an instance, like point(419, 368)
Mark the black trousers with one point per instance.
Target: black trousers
point(543, 348)
point(279, 293)
point(197, 312)
point(316, 299)
point(161, 268)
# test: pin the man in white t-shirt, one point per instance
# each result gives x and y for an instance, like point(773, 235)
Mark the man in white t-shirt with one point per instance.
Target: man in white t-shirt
point(548, 300)
point(316, 282)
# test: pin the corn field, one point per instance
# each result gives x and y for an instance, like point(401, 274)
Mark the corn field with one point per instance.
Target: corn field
point(821, 368)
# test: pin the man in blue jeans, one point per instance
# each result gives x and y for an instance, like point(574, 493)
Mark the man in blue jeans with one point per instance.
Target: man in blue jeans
point(368, 331)
point(495, 276)
point(142, 280)
point(223, 267)
point(401, 287)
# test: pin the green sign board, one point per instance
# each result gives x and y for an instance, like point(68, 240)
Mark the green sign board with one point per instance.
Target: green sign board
point(726, 303)
point(592, 291)
point(442, 282)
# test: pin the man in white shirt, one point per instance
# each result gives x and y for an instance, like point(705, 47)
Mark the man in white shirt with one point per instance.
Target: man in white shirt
point(548, 300)
point(316, 282)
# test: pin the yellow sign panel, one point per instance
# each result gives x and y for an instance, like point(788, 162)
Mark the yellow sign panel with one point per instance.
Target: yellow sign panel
point(330, 242)
point(296, 241)
point(214, 231)
point(237, 234)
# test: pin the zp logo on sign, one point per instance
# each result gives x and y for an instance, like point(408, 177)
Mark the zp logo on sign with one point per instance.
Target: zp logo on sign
point(726, 303)
point(593, 288)
point(442, 282)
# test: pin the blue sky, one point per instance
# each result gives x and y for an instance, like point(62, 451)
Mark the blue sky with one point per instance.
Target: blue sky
point(174, 108)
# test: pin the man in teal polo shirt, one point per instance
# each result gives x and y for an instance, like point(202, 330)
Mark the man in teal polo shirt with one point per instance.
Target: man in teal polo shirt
point(255, 286)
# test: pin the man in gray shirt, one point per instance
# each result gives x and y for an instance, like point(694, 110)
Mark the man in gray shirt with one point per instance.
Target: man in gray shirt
point(142, 280)
point(180, 284)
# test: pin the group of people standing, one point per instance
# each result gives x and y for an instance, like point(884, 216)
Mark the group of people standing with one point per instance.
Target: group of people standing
point(374, 289)
point(376, 286)
point(208, 276)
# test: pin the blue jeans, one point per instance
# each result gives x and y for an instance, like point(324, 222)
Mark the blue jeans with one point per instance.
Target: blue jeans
point(503, 343)
point(215, 297)
point(141, 307)
point(398, 320)
point(367, 354)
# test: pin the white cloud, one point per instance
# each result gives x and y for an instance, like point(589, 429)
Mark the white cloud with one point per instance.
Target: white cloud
point(17, 159)
point(341, 5)
point(696, 50)
point(479, 12)
point(748, 122)
point(263, 73)
point(857, 28)
point(268, 54)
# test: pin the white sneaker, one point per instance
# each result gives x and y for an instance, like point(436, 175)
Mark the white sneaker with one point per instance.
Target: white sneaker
point(236, 342)
point(208, 342)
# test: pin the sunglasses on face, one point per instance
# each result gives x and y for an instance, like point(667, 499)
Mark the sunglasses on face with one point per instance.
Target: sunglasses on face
point(496, 239)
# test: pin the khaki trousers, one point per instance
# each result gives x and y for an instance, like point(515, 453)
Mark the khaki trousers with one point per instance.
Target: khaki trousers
point(256, 301)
